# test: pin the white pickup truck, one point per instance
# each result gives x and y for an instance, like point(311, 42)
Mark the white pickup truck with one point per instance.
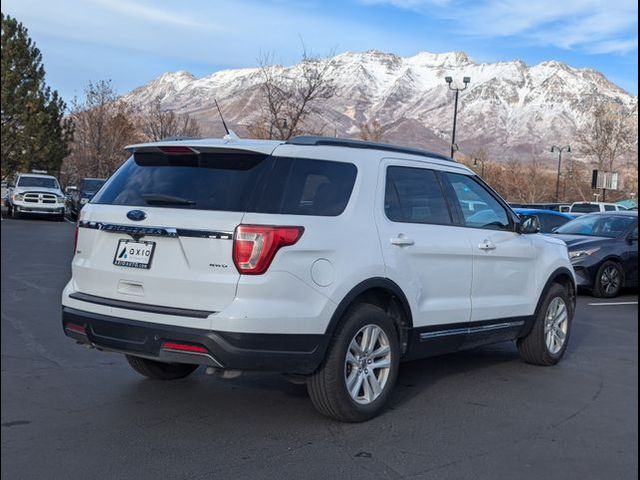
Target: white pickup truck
point(35, 194)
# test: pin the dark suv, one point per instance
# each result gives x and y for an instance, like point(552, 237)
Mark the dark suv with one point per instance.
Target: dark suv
point(85, 192)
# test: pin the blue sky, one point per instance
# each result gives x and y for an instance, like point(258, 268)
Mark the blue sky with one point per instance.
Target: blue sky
point(134, 41)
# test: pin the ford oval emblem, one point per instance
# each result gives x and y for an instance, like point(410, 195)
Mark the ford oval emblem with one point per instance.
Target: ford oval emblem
point(136, 215)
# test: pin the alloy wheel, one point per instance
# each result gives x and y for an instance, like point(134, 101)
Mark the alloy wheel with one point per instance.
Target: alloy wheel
point(556, 325)
point(367, 364)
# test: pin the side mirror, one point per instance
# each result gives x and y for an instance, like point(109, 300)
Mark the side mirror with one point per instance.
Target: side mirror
point(529, 224)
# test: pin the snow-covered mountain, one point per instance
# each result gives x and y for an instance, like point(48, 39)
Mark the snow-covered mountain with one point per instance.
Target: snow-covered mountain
point(510, 109)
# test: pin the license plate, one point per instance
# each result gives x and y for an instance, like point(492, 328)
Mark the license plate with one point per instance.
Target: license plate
point(134, 254)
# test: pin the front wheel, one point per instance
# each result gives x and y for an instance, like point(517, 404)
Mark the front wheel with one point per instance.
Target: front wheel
point(609, 280)
point(547, 341)
point(360, 369)
point(160, 370)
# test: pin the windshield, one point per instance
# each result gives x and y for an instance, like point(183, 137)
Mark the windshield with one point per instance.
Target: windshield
point(92, 185)
point(42, 182)
point(597, 226)
point(585, 208)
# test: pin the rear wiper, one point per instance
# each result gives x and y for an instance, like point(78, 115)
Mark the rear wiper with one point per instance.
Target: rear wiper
point(160, 199)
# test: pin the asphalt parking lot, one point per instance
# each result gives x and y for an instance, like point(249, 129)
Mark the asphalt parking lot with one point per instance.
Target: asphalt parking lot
point(69, 412)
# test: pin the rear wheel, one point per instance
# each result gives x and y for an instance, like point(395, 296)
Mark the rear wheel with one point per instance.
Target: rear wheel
point(360, 369)
point(609, 280)
point(547, 341)
point(160, 370)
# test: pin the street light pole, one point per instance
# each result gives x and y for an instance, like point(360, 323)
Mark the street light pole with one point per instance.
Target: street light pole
point(481, 162)
point(457, 91)
point(554, 148)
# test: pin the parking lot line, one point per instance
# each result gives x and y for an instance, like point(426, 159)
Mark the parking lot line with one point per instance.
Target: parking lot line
point(613, 303)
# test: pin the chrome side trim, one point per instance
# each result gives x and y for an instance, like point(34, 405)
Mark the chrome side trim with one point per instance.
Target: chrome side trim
point(470, 330)
point(138, 232)
point(141, 307)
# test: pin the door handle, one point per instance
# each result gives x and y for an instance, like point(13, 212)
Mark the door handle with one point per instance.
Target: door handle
point(487, 245)
point(401, 241)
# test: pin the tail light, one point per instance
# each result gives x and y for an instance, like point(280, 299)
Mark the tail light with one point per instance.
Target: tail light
point(75, 238)
point(254, 246)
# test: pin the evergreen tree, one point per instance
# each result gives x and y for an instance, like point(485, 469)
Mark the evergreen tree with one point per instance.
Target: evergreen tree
point(35, 132)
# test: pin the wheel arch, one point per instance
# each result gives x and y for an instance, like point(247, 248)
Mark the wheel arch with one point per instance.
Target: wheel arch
point(562, 276)
point(384, 293)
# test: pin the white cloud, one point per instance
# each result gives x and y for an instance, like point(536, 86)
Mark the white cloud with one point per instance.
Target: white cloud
point(143, 12)
point(595, 26)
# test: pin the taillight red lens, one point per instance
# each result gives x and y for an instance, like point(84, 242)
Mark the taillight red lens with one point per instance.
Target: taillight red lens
point(75, 239)
point(254, 246)
point(184, 347)
point(74, 327)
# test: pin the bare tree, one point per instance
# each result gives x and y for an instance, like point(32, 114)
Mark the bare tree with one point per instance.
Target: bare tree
point(156, 123)
point(103, 126)
point(290, 97)
point(372, 131)
point(608, 136)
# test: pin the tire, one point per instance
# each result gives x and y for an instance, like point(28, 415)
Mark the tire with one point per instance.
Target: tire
point(609, 280)
point(14, 213)
point(160, 370)
point(541, 346)
point(327, 387)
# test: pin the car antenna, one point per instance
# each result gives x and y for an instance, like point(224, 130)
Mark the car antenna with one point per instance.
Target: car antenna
point(230, 133)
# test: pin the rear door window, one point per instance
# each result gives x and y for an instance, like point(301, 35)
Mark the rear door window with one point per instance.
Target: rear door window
point(414, 195)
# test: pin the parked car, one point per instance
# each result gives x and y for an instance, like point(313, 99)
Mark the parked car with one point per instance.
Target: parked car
point(604, 251)
point(549, 219)
point(581, 208)
point(556, 207)
point(35, 194)
point(328, 260)
point(83, 194)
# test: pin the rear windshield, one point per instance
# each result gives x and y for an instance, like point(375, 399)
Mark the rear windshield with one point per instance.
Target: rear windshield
point(42, 182)
point(585, 208)
point(92, 185)
point(231, 182)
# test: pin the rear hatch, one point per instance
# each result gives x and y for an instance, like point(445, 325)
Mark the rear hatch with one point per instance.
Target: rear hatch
point(160, 232)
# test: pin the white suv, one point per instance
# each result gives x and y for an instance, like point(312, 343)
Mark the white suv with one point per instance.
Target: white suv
point(32, 193)
point(328, 260)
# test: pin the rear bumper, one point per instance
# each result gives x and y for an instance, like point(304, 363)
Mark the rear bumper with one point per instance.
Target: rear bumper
point(286, 353)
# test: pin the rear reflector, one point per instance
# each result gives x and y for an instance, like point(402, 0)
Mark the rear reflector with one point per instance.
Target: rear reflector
point(254, 246)
point(74, 327)
point(178, 150)
point(75, 237)
point(184, 347)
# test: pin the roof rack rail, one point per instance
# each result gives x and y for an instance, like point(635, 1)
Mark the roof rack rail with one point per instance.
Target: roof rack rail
point(349, 143)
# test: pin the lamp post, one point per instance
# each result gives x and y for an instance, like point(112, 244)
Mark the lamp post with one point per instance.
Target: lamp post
point(554, 148)
point(449, 81)
point(477, 161)
point(282, 122)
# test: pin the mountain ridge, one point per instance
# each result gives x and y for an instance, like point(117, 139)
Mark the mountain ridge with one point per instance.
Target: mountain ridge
point(523, 109)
